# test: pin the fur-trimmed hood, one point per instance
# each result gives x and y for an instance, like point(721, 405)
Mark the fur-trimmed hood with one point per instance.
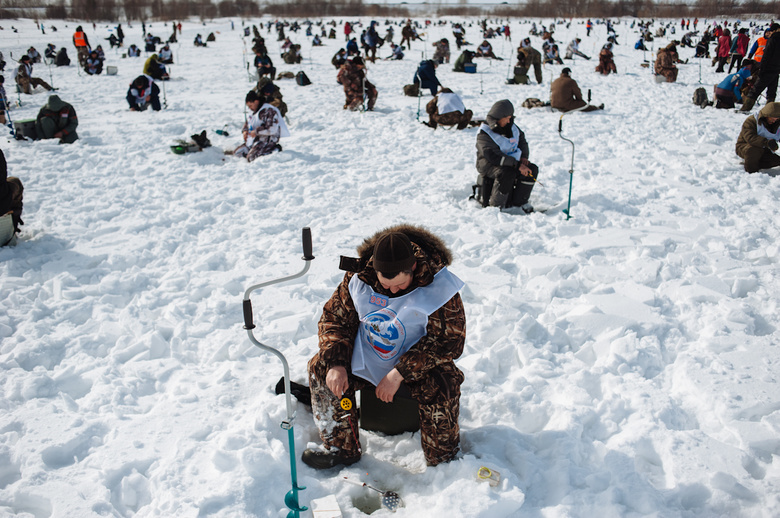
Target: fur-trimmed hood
point(430, 251)
point(431, 246)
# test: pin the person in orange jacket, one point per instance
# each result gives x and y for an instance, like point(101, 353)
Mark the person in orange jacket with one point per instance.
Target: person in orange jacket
point(81, 42)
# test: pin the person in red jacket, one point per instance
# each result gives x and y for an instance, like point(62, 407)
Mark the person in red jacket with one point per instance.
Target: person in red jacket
point(739, 48)
point(724, 49)
point(347, 30)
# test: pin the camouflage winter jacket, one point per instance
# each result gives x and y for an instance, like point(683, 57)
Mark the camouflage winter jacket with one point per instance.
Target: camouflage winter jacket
point(351, 77)
point(446, 331)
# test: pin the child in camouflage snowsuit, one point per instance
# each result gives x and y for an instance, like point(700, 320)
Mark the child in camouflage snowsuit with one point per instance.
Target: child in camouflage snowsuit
point(427, 367)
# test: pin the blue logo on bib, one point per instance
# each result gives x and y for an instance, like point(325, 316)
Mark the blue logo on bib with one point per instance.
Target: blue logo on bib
point(384, 333)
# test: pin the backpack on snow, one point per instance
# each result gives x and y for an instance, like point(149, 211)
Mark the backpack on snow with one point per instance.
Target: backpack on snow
point(533, 102)
point(700, 97)
point(302, 79)
point(412, 90)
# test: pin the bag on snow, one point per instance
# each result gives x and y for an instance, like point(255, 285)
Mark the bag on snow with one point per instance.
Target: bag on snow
point(700, 97)
point(481, 190)
point(412, 90)
point(533, 102)
point(302, 79)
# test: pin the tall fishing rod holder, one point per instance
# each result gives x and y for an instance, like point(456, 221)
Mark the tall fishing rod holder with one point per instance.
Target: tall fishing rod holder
point(291, 498)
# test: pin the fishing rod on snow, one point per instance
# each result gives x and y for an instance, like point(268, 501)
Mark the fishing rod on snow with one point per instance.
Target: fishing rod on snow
point(291, 498)
point(165, 98)
point(509, 74)
point(419, 92)
point(246, 61)
point(481, 90)
point(51, 78)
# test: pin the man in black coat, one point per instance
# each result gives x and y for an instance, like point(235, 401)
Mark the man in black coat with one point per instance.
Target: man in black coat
point(768, 72)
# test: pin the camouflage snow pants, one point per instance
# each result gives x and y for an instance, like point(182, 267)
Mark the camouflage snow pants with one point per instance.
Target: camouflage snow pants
point(438, 397)
point(461, 120)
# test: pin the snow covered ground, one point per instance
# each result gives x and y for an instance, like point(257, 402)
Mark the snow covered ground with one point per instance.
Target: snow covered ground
point(620, 363)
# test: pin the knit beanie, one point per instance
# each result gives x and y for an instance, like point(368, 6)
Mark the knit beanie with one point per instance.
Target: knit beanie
point(393, 253)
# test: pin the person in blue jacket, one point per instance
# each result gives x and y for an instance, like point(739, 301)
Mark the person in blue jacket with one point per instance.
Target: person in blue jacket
point(352, 48)
point(728, 92)
point(425, 76)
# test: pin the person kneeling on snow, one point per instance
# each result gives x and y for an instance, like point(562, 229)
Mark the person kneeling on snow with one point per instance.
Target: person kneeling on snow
point(11, 204)
point(57, 119)
point(154, 69)
point(262, 130)
point(665, 63)
point(398, 52)
point(447, 109)
point(502, 157)
point(565, 94)
point(399, 281)
point(758, 139)
point(357, 89)
point(574, 50)
point(425, 77)
point(729, 91)
point(142, 93)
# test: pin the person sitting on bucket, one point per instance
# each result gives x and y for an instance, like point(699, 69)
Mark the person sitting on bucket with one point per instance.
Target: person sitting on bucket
point(502, 155)
point(396, 317)
point(565, 94)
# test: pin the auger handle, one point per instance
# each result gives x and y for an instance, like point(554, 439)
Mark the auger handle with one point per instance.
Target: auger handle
point(307, 249)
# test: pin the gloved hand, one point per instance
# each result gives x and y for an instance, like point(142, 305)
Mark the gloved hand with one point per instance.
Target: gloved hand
point(772, 144)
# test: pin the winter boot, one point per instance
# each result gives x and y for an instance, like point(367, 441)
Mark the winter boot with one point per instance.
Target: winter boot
point(748, 104)
point(324, 459)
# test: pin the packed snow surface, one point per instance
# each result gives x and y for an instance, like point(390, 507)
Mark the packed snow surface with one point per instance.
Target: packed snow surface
point(623, 362)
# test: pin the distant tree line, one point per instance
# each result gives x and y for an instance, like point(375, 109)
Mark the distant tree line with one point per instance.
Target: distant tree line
point(113, 10)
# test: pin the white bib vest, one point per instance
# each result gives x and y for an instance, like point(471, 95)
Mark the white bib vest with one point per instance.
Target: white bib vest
point(763, 132)
point(391, 326)
point(506, 145)
point(450, 103)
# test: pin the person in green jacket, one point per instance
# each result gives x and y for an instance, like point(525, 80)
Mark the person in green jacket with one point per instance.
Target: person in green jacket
point(57, 119)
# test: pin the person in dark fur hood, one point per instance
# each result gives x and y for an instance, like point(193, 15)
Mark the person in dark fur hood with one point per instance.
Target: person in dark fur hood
point(502, 156)
point(396, 318)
